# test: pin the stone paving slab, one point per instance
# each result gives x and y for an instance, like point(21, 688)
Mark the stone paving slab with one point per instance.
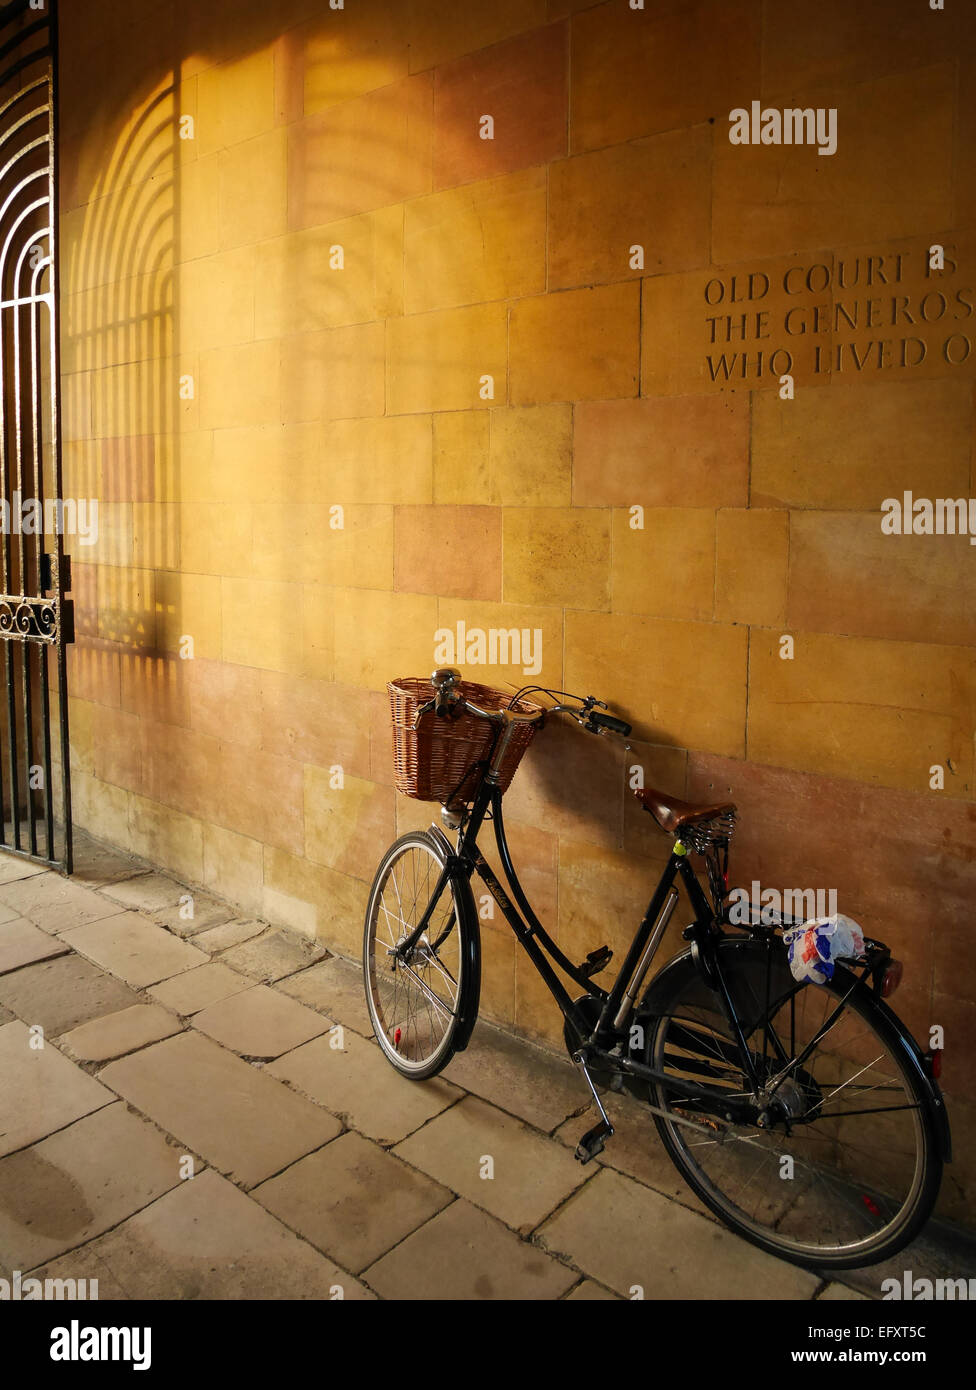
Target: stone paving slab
point(56, 904)
point(462, 1253)
point(62, 993)
point(494, 1066)
point(80, 1182)
point(96, 864)
point(273, 954)
point(530, 1175)
point(206, 1239)
point(207, 913)
point(359, 1084)
point(41, 1091)
point(146, 893)
point(21, 943)
point(625, 1236)
point(335, 987)
point(238, 1118)
point(352, 1200)
point(260, 1023)
point(9, 914)
point(229, 934)
point(113, 1036)
point(836, 1293)
point(135, 949)
point(192, 991)
point(13, 868)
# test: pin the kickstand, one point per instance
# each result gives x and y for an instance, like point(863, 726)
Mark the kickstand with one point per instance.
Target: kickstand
point(594, 1139)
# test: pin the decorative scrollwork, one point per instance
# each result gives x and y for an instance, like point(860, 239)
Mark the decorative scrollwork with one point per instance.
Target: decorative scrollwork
point(30, 618)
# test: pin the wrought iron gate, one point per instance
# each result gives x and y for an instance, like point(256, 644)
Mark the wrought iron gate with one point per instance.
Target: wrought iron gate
point(35, 616)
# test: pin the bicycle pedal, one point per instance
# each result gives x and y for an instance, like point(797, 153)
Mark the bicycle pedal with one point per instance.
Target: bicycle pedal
point(593, 1142)
point(596, 961)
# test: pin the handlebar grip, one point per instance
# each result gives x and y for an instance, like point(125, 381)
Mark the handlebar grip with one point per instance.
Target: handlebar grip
point(607, 721)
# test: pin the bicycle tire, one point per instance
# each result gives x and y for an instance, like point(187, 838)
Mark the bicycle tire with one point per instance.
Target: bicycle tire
point(400, 1030)
point(674, 1016)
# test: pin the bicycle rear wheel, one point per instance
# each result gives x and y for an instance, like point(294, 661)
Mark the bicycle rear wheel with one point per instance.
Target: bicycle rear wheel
point(850, 1170)
point(421, 1009)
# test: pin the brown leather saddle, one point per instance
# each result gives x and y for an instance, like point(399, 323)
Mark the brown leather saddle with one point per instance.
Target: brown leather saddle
point(671, 814)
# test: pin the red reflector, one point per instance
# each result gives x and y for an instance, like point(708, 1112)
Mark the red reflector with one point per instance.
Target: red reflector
point(891, 979)
point(935, 1065)
point(869, 1204)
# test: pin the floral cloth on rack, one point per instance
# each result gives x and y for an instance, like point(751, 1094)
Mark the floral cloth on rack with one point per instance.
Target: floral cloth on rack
point(816, 946)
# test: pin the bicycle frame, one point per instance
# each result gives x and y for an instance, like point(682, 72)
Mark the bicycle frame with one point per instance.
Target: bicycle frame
point(468, 859)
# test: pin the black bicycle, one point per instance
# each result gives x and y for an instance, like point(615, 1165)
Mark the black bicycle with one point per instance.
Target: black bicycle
point(805, 1116)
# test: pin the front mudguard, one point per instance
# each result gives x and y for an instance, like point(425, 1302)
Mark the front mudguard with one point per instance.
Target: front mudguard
point(470, 997)
point(738, 958)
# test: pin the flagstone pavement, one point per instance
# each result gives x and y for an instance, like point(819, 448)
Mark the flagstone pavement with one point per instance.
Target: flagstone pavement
point(197, 1109)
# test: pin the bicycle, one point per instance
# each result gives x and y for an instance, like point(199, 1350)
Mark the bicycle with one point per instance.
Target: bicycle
point(805, 1116)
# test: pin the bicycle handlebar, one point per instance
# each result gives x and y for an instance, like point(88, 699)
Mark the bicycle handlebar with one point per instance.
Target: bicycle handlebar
point(448, 702)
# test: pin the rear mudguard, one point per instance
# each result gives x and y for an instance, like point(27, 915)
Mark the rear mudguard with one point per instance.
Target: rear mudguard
point(738, 959)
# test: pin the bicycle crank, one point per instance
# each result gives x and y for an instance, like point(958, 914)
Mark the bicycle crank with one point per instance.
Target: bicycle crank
point(594, 1139)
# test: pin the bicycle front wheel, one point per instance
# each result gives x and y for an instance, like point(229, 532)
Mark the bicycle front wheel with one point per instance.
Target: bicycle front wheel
point(421, 1008)
point(849, 1170)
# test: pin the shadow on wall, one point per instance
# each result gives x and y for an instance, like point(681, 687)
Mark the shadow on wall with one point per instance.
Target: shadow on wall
point(153, 363)
point(120, 360)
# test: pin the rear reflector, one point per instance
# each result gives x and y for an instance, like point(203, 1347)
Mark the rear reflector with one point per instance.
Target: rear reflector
point(935, 1064)
point(891, 979)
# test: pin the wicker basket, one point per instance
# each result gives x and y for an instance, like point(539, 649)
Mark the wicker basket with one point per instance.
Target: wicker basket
point(439, 761)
